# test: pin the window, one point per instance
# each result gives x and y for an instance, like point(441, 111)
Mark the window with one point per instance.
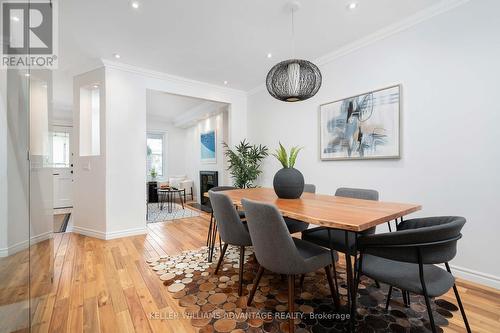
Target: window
point(60, 149)
point(155, 155)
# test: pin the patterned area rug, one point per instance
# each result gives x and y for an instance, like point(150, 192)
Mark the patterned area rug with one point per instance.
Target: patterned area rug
point(155, 214)
point(213, 305)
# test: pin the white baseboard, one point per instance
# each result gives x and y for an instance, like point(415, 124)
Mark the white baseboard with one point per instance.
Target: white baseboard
point(475, 276)
point(23, 245)
point(109, 235)
point(127, 232)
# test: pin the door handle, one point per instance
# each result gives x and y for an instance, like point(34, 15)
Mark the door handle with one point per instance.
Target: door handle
point(55, 174)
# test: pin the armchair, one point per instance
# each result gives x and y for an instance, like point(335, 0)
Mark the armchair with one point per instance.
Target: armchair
point(182, 182)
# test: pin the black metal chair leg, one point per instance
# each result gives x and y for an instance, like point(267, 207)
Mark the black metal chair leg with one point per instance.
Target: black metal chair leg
point(330, 283)
point(221, 259)
point(210, 228)
point(377, 284)
point(291, 301)
point(424, 289)
point(301, 283)
point(242, 261)
point(388, 298)
point(255, 285)
point(336, 284)
point(405, 301)
point(459, 301)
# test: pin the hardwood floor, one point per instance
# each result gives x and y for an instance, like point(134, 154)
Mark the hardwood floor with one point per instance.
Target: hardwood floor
point(105, 286)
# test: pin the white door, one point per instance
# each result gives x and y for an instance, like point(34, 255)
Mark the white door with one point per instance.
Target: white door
point(62, 152)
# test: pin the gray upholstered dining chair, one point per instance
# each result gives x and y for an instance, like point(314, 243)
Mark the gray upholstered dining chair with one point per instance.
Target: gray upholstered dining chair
point(336, 238)
point(231, 229)
point(294, 225)
point(212, 228)
point(276, 250)
point(407, 258)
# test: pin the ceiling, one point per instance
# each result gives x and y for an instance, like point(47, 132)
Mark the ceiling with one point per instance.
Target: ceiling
point(169, 106)
point(217, 40)
point(182, 111)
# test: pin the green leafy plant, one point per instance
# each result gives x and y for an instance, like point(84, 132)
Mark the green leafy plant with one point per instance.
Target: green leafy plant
point(245, 162)
point(153, 173)
point(282, 155)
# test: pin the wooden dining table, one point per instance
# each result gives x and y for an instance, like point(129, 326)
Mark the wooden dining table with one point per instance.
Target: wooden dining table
point(332, 212)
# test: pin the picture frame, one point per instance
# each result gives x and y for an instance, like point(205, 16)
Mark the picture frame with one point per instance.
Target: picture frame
point(362, 127)
point(208, 147)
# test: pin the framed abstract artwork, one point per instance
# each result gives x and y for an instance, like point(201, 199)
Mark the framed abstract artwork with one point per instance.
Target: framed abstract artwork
point(208, 147)
point(365, 126)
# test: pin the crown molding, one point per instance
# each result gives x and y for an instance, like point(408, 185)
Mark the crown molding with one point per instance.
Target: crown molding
point(168, 77)
point(409, 22)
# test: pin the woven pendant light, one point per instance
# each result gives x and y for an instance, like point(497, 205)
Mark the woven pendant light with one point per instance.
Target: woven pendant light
point(293, 80)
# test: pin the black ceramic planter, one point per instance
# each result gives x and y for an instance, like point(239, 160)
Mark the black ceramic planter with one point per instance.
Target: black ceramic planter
point(288, 183)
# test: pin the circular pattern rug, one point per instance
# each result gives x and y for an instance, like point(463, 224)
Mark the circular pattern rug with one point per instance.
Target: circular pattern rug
point(212, 304)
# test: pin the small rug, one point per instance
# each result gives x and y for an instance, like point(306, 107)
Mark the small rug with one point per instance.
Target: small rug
point(212, 303)
point(155, 214)
point(61, 222)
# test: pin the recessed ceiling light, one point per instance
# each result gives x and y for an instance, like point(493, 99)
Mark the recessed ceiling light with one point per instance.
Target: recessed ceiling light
point(352, 5)
point(15, 18)
point(95, 86)
point(27, 74)
point(225, 83)
point(269, 55)
point(135, 4)
point(117, 55)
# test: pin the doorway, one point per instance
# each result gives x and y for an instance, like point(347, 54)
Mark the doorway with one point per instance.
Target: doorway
point(62, 150)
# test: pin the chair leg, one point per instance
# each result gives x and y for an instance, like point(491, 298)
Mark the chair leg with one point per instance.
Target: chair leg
point(335, 296)
point(377, 284)
point(301, 283)
point(221, 259)
point(335, 280)
point(255, 285)
point(242, 260)
point(460, 305)
point(291, 301)
point(405, 301)
point(210, 228)
point(429, 311)
point(427, 301)
point(388, 298)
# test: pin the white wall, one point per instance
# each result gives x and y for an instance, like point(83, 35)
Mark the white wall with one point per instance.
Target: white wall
point(3, 164)
point(125, 178)
point(89, 178)
point(450, 73)
point(176, 146)
point(193, 158)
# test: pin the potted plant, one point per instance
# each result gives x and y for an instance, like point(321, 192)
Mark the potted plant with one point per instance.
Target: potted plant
point(288, 182)
point(153, 173)
point(245, 162)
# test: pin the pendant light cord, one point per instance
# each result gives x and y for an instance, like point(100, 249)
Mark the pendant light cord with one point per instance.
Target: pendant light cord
point(293, 35)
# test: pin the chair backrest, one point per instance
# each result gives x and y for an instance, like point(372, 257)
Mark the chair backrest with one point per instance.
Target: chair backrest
point(310, 188)
point(231, 229)
point(434, 237)
point(222, 188)
point(219, 189)
point(273, 245)
point(359, 193)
